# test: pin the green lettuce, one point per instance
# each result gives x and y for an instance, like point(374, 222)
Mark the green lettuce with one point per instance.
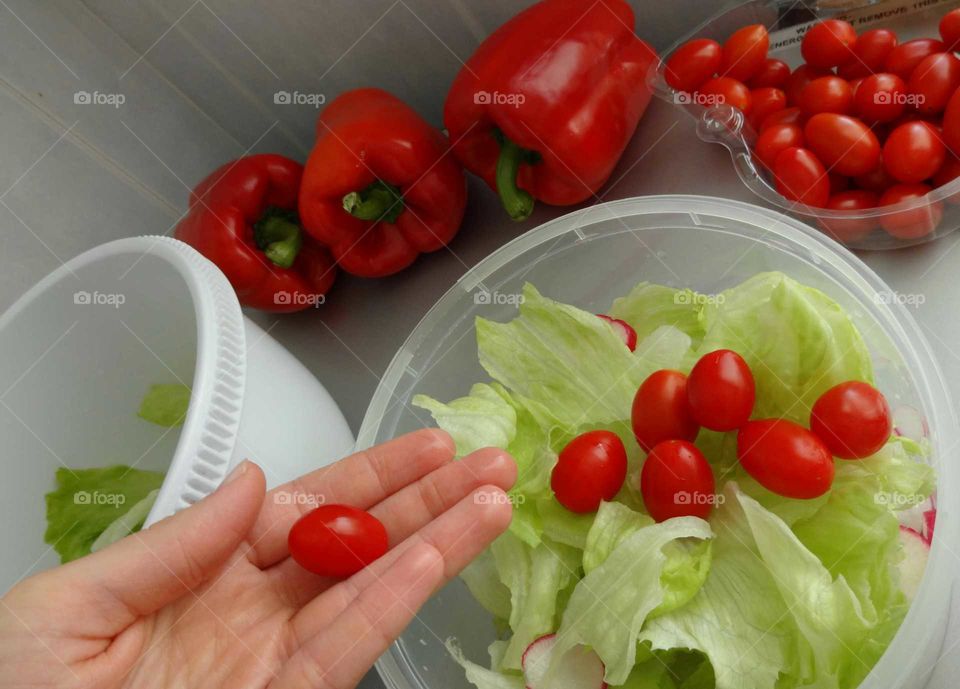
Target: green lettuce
point(165, 404)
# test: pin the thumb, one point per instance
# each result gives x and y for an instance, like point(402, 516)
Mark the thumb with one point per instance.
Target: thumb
point(150, 569)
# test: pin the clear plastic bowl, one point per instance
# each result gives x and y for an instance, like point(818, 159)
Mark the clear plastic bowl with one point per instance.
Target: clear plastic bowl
point(590, 257)
point(787, 21)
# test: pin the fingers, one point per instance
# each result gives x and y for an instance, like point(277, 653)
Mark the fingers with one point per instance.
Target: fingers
point(147, 570)
point(361, 480)
point(459, 535)
point(339, 656)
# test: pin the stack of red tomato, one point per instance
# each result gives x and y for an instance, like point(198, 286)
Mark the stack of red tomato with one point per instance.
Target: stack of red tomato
point(865, 122)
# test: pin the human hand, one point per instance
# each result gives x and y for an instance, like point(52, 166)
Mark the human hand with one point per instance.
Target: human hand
point(210, 598)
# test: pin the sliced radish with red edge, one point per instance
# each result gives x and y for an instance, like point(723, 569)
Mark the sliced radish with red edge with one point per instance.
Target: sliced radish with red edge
point(624, 330)
point(580, 667)
point(915, 553)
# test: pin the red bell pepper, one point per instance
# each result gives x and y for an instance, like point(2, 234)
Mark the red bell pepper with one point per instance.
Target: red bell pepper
point(546, 105)
point(380, 186)
point(243, 217)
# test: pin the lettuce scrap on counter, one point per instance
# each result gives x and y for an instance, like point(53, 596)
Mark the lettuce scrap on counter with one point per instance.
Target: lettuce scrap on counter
point(770, 592)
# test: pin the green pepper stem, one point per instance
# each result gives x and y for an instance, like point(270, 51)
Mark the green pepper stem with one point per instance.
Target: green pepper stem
point(517, 202)
point(279, 236)
point(378, 201)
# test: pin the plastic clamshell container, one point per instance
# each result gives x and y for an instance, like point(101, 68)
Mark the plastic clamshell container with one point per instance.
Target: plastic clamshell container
point(83, 346)
point(588, 258)
point(723, 124)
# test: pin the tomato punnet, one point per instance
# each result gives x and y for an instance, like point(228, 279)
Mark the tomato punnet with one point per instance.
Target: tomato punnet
point(799, 79)
point(912, 223)
point(785, 116)
point(843, 144)
point(880, 98)
point(676, 481)
point(951, 123)
point(721, 391)
point(852, 419)
point(800, 176)
point(948, 172)
point(785, 457)
point(660, 410)
point(826, 94)
point(950, 29)
point(745, 52)
point(869, 53)
point(764, 102)
point(623, 329)
point(829, 43)
point(774, 73)
point(336, 540)
point(692, 64)
point(902, 59)
point(729, 91)
point(913, 152)
point(876, 180)
point(846, 230)
point(933, 81)
point(774, 139)
point(591, 468)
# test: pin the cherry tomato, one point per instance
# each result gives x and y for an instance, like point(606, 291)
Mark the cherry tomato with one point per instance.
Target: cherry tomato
point(913, 152)
point(852, 419)
point(828, 43)
point(881, 98)
point(905, 57)
point(826, 94)
point(764, 102)
point(590, 468)
point(774, 73)
point(838, 183)
point(933, 81)
point(912, 223)
point(623, 329)
point(854, 86)
point(785, 116)
point(336, 540)
point(692, 64)
point(775, 139)
point(876, 180)
point(799, 79)
point(869, 53)
point(948, 172)
point(785, 457)
point(951, 123)
point(729, 91)
point(660, 410)
point(846, 230)
point(721, 391)
point(745, 52)
point(950, 29)
point(843, 144)
point(676, 481)
point(800, 176)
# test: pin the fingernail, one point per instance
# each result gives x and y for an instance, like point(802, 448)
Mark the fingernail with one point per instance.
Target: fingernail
point(237, 472)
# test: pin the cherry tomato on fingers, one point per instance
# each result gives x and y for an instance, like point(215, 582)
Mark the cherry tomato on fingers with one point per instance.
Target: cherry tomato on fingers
point(913, 152)
point(950, 29)
point(591, 468)
point(774, 73)
point(745, 52)
point(336, 540)
point(914, 222)
point(764, 102)
point(881, 98)
point(800, 176)
point(933, 81)
point(869, 53)
point(906, 56)
point(726, 90)
point(692, 64)
point(843, 144)
point(660, 410)
point(721, 391)
point(775, 139)
point(786, 458)
point(852, 419)
point(785, 116)
point(846, 230)
point(676, 481)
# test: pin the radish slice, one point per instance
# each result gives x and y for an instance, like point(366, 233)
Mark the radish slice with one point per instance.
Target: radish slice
point(624, 330)
point(580, 668)
point(915, 553)
point(929, 521)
